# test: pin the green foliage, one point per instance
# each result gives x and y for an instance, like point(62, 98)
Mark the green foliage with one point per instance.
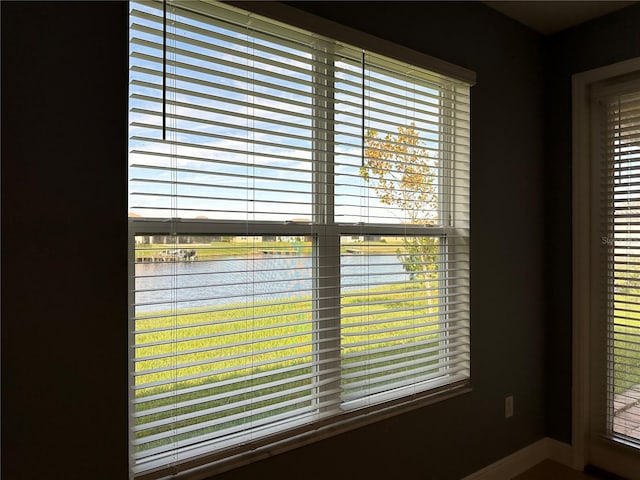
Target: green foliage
point(402, 174)
point(419, 256)
point(629, 283)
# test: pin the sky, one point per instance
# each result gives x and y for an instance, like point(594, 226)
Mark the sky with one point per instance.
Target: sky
point(241, 111)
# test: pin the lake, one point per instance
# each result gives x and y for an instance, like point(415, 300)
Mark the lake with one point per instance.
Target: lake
point(231, 280)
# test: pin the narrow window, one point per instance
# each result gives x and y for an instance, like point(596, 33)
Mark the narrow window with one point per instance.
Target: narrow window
point(616, 106)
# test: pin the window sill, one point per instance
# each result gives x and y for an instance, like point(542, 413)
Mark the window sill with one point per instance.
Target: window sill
point(206, 465)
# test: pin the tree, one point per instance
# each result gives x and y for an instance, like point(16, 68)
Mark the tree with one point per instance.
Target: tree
point(402, 174)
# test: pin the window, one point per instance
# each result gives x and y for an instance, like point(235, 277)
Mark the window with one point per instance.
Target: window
point(606, 375)
point(299, 232)
point(617, 113)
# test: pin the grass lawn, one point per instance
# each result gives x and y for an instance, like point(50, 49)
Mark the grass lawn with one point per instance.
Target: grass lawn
point(202, 372)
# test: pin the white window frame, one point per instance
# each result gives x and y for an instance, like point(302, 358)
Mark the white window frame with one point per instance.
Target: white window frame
point(585, 285)
point(327, 234)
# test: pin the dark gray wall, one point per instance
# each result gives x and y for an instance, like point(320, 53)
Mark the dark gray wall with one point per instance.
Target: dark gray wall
point(64, 240)
point(604, 41)
point(63, 199)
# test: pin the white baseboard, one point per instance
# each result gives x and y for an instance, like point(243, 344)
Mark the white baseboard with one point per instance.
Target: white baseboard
point(560, 452)
point(522, 460)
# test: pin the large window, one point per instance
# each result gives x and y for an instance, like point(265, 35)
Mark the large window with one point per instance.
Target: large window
point(299, 231)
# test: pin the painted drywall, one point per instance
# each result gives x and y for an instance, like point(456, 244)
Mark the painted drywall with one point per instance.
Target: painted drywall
point(64, 372)
point(64, 240)
point(600, 42)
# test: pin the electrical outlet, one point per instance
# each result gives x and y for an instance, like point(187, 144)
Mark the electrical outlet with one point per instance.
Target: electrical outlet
point(508, 406)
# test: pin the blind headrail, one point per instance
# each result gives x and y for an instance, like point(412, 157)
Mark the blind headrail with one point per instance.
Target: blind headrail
point(322, 26)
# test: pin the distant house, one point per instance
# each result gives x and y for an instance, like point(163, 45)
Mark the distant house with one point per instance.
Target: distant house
point(365, 238)
point(169, 239)
point(242, 238)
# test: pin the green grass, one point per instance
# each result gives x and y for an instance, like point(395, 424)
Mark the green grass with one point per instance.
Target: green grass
point(209, 362)
point(217, 249)
point(231, 249)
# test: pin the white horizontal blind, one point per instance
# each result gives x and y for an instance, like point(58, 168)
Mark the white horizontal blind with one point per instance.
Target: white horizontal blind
point(240, 118)
point(621, 169)
point(413, 131)
point(401, 332)
point(214, 357)
point(407, 189)
point(299, 216)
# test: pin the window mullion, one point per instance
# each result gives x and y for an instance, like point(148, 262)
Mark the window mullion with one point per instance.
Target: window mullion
point(455, 215)
point(326, 247)
point(445, 206)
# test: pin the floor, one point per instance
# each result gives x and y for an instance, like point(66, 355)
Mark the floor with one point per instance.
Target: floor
point(550, 470)
point(626, 420)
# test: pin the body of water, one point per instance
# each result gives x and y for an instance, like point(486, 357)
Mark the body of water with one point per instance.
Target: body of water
point(243, 280)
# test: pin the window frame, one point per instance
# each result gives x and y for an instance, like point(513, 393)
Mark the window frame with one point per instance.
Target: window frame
point(327, 234)
point(587, 422)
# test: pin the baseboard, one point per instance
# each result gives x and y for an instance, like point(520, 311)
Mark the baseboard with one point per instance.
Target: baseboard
point(560, 452)
point(522, 460)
